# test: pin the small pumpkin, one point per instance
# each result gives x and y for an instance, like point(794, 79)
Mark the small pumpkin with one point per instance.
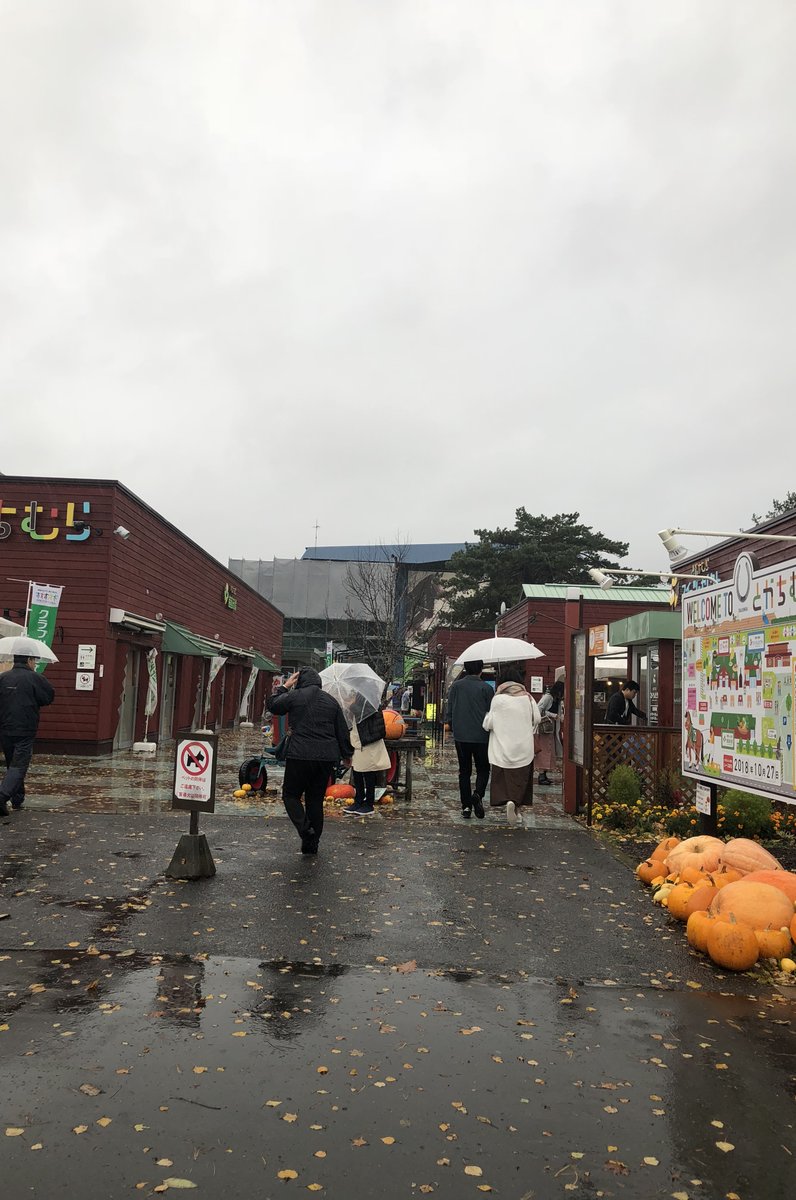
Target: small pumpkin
point(648, 870)
point(747, 856)
point(732, 945)
point(784, 880)
point(664, 848)
point(722, 876)
point(340, 791)
point(773, 943)
point(694, 876)
point(758, 905)
point(697, 929)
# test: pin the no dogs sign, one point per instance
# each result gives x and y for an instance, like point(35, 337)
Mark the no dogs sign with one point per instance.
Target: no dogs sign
point(195, 773)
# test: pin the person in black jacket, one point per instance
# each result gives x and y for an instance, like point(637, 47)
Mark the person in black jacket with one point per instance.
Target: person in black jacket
point(318, 738)
point(22, 694)
point(468, 702)
point(621, 707)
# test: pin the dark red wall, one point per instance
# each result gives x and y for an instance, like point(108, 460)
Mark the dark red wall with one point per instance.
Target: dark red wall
point(157, 570)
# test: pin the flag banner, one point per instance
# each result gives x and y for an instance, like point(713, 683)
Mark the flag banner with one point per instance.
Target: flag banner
point(216, 663)
point(42, 614)
point(244, 702)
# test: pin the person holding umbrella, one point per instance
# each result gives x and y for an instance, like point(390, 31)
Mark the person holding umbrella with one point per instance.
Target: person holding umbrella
point(22, 694)
point(318, 737)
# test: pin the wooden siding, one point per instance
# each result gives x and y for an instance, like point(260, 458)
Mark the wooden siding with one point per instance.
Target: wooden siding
point(157, 570)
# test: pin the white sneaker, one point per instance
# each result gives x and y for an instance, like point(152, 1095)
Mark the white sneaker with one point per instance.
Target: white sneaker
point(511, 813)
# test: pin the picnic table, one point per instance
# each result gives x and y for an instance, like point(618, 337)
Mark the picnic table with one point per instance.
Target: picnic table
point(405, 748)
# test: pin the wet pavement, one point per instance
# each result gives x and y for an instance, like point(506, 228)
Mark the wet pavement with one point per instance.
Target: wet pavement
point(430, 1006)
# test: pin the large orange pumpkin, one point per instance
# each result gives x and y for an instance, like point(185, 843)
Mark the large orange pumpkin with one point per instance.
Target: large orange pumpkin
point(697, 929)
point(784, 880)
point(747, 856)
point(773, 943)
point(665, 847)
point(732, 945)
point(703, 852)
point(648, 870)
point(685, 899)
point(758, 905)
point(340, 791)
point(394, 724)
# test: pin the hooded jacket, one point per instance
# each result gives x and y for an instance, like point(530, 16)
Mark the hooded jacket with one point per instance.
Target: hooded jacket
point(22, 694)
point(318, 731)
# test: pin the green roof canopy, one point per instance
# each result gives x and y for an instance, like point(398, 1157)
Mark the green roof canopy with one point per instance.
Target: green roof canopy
point(592, 591)
point(646, 627)
point(179, 640)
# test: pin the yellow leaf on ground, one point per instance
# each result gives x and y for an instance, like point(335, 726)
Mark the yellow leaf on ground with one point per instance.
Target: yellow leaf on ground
point(322, 1070)
point(725, 1146)
point(289, 1117)
point(165, 1162)
point(388, 1141)
point(272, 1103)
point(15, 1131)
point(179, 1183)
point(104, 1122)
point(37, 1146)
point(287, 1174)
point(79, 1128)
point(651, 1162)
point(314, 1187)
point(471, 1170)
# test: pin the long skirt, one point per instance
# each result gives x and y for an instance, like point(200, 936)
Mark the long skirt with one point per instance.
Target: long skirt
point(511, 783)
point(546, 752)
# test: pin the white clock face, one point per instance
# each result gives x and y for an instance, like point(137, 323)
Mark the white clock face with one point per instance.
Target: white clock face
point(743, 578)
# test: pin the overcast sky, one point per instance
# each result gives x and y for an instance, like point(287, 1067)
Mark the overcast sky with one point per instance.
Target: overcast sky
point(400, 266)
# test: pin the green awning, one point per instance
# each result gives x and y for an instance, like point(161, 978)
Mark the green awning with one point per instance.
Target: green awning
point(646, 627)
point(264, 663)
point(179, 640)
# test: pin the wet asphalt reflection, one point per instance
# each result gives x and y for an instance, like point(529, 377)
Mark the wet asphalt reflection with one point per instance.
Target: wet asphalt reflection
point(125, 1072)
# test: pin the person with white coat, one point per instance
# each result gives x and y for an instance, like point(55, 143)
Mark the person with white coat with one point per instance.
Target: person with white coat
point(512, 721)
point(370, 757)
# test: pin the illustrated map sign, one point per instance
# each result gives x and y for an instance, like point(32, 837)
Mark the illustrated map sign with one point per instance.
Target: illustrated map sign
point(195, 773)
point(739, 680)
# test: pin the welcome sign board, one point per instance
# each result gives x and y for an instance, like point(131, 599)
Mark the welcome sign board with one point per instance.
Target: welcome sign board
point(739, 679)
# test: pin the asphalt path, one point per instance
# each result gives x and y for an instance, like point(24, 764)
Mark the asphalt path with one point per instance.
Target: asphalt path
point(430, 1006)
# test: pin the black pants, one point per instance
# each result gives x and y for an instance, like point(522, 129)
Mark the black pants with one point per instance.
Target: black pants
point(310, 779)
point(467, 753)
point(17, 752)
point(365, 787)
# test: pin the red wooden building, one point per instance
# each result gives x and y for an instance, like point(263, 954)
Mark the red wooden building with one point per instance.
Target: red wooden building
point(132, 583)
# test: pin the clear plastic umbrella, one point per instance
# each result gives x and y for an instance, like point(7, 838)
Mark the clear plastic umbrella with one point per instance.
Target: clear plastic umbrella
point(499, 650)
point(356, 687)
point(10, 628)
point(26, 647)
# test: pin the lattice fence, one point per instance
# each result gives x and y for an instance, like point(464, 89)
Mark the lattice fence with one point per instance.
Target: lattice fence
point(649, 751)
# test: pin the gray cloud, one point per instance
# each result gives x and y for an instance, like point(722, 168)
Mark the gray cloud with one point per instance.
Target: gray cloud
point(401, 266)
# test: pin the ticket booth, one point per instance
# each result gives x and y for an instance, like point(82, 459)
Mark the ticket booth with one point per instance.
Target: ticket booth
point(654, 647)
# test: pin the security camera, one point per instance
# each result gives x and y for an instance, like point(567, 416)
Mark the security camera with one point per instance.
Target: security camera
point(121, 532)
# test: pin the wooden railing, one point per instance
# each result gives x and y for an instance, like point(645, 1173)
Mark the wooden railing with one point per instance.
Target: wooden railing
point(649, 750)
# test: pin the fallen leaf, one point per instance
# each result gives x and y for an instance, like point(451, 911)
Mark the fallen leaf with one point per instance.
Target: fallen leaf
point(199, 1070)
point(272, 1103)
point(37, 1146)
point(651, 1162)
point(14, 1131)
point(388, 1141)
point(105, 1122)
point(88, 1089)
point(360, 1141)
point(179, 1183)
point(165, 1162)
point(471, 1170)
point(314, 1187)
point(322, 1070)
point(725, 1146)
point(472, 1029)
point(79, 1128)
point(484, 1187)
point(406, 968)
point(287, 1174)
point(289, 1117)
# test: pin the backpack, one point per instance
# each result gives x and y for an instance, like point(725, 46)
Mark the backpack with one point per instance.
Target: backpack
point(371, 729)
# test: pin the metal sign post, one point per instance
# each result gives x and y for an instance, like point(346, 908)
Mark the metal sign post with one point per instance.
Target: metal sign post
point(194, 790)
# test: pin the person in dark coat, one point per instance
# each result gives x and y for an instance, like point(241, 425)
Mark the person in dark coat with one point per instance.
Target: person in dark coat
point(469, 700)
point(621, 707)
point(22, 694)
point(318, 739)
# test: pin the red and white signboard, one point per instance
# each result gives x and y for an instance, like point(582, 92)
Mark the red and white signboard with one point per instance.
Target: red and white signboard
point(195, 773)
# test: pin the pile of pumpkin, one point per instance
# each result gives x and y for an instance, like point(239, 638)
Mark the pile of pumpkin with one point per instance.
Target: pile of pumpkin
point(341, 795)
point(736, 899)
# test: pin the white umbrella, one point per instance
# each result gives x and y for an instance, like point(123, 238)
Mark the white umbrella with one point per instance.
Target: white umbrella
point(356, 687)
point(26, 647)
point(499, 650)
point(10, 628)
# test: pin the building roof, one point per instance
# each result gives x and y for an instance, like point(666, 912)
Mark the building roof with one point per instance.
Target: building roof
point(592, 591)
point(425, 554)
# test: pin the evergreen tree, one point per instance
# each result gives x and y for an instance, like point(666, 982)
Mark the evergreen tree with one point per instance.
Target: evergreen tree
point(539, 549)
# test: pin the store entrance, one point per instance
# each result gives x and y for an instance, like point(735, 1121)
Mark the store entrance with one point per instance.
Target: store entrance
point(125, 730)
